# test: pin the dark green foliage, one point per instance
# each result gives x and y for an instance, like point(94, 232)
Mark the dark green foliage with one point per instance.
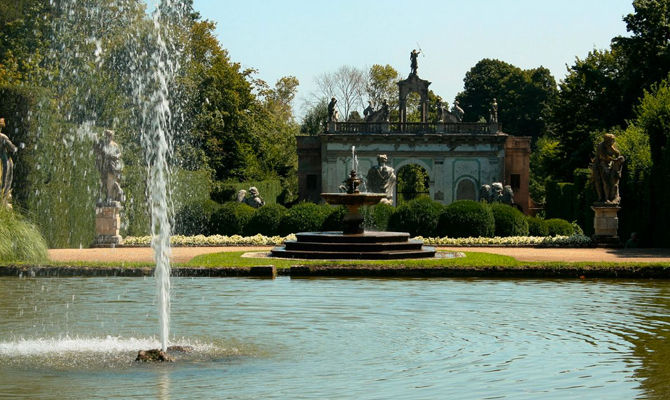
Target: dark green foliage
point(571, 201)
point(509, 221)
point(335, 218)
point(195, 218)
point(413, 181)
point(266, 220)
point(304, 217)
point(466, 218)
point(524, 97)
point(537, 227)
point(559, 227)
point(418, 217)
point(231, 218)
point(377, 217)
point(19, 239)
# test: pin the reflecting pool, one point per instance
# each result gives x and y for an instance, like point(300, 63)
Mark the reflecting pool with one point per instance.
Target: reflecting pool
point(75, 338)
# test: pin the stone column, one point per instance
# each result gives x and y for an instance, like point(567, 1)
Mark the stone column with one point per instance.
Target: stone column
point(606, 225)
point(107, 224)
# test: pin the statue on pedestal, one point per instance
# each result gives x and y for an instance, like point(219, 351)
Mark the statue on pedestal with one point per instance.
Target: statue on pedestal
point(332, 111)
point(493, 116)
point(6, 165)
point(381, 178)
point(606, 171)
point(109, 165)
point(414, 63)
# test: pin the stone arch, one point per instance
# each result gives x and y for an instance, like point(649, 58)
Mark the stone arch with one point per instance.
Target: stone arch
point(400, 171)
point(413, 84)
point(466, 189)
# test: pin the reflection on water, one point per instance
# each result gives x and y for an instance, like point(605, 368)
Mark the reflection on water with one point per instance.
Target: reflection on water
point(338, 338)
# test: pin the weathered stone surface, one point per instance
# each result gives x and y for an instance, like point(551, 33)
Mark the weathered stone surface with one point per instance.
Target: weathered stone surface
point(606, 225)
point(154, 355)
point(107, 226)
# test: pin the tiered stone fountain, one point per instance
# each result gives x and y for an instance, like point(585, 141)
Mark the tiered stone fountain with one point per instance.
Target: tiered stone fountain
point(353, 242)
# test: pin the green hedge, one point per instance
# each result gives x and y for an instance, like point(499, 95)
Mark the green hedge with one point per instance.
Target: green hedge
point(266, 220)
point(419, 217)
point(19, 239)
point(537, 227)
point(194, 218)
point(558, 226)
point(376, 218)
point(304, 217)
point(231, 218)
point(335, 219)
point(466, 218)
point(509, 221)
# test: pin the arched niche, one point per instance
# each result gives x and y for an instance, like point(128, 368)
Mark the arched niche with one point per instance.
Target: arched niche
point(466, 190)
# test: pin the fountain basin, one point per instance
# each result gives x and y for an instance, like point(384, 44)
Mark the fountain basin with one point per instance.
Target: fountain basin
point(353, 220)
point(362, 246)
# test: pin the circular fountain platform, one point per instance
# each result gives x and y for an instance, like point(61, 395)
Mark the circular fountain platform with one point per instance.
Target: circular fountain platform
point(361, 246)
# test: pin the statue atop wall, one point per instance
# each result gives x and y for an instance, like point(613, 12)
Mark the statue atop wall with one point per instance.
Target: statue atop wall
point(381, 178)
point(7, 148)
point(414, 62)
point(332, 111)
point(109, 165)
point(606, 171)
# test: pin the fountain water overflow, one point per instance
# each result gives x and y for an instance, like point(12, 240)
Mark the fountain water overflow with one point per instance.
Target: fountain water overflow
point(353, 242)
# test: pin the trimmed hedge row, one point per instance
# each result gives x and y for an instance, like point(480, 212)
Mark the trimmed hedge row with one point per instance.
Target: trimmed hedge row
point(419, 217)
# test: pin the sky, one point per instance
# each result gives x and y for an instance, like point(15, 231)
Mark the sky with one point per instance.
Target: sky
point(306, 38)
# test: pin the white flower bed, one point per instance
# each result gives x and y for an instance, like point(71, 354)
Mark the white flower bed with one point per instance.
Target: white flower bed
point(260, 240)
point(512, 241)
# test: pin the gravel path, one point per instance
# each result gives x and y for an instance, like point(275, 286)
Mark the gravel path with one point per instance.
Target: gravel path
point(184, 254)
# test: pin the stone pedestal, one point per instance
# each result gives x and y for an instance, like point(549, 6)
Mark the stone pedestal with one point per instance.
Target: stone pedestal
point(606, 225)
point(107, 225)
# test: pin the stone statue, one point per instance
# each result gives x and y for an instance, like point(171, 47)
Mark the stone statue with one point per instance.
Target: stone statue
point(241, 196)
point(109, 165)
point(369, 110)
point(254, 200)
point(497, 193)
point(606, 171)
point(332, 111)
point(457, 111)
point(381, 178)
point(414, 63)
point(493, 117)
point(7, 165)
point(381, 115)
point(441, 111)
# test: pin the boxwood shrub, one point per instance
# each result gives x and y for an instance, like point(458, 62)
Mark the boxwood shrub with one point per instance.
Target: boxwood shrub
point(231, 218)
point(466, 218)
point(418, 217)
point(266, 220)
point(377, 216)
point(558, 226)
point(303, 217)
point(537, 226)
point(334, 220)
point(194, 218)
point(508, 220)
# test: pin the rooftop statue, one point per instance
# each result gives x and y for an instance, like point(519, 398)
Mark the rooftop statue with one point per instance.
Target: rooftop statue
point(6, 165)
point(606, 171)
point(109, 165)
point(381, 115)
point(493, 117)
point(414, 63)
point(332, 111)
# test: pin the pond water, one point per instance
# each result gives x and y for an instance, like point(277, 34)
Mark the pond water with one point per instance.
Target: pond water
point(75, 338)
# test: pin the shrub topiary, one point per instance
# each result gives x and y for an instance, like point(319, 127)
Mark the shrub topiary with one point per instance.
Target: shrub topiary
point(377, 216)
point(19, 239)
point(195, 218)
point(466, 218)
point(559, 227)
point(303, 217)
point(509, 221)
point(231, 218)
point(334, 220)
point(266, 220)
point(537, 227)
point(418, 217)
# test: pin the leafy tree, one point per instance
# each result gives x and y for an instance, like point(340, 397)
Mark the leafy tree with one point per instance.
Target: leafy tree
point(314, 121)
point(413, 180)
point(382, 84)
point(524, 97)
point(589, 100)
